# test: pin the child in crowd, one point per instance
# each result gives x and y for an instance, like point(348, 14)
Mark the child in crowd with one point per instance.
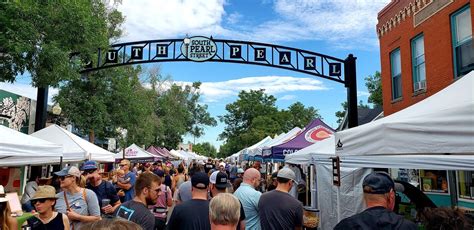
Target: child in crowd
point(120, 177)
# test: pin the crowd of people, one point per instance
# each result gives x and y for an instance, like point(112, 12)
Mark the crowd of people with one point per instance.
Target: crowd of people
point(202, 195)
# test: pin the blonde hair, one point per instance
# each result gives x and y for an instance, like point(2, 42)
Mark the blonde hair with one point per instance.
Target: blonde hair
point(120, 172)
point(224, 209)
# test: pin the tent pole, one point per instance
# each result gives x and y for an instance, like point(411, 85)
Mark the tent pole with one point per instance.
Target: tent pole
point(452, 188)
point(60, 163)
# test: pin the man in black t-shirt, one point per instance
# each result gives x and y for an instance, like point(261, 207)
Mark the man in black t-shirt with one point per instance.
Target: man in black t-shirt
point(379, 194)
point(105, 191)
point(277, 208)
point(147, 190)
point(194, 213)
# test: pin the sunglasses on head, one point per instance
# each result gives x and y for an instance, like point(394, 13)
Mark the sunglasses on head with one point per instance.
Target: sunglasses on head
point(34, 202)
point(64, 177)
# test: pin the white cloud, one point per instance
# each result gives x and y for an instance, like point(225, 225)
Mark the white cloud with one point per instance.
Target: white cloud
point(145, 19)
point(362, 94)
point(217, 91)
point(287, 97)
point(345, 24)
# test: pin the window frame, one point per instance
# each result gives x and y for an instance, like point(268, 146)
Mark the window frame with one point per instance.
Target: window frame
point(399, 75)
point(455, 44)
point(415, 77)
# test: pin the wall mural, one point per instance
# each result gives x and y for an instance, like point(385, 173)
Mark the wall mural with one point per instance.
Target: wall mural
point(14, 111)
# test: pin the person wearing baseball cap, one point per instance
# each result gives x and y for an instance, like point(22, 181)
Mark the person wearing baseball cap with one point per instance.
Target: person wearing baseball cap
point(79, 204)
point(287, 213)
point(218, 184)
point(194, 213)
point(43, 201)
point(379, 195)
point(105, 191)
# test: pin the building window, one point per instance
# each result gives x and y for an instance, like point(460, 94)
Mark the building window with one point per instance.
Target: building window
point(463, 49)
point(418, 62)
point(396, 74)
point(466, 184)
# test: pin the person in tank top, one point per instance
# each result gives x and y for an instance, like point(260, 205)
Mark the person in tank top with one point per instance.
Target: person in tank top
point(47, 219)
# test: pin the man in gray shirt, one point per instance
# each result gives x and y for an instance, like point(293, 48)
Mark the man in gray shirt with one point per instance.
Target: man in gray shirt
point(184, 190)
point(79, 204)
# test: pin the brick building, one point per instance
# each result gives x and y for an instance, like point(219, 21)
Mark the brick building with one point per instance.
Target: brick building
point(425, 45)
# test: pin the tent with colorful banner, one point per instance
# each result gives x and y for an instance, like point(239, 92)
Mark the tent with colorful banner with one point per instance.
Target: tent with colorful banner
point(315, 131)
point(266, 150)
point(137, 154)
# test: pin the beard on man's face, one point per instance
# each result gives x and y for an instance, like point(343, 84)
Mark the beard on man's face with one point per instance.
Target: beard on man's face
point(150, 201)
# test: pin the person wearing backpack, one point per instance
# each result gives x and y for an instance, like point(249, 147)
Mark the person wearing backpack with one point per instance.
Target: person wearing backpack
point(105, 191)
point(164, 201)
point(79, 204)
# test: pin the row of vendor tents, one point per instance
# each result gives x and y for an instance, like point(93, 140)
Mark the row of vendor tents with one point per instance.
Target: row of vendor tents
point(54, 144)
point(437, 133)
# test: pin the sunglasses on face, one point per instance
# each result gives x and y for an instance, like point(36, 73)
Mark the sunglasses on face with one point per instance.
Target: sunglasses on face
point(64, 177)
point(89, 171)
point(121, 165)
point(34, 202)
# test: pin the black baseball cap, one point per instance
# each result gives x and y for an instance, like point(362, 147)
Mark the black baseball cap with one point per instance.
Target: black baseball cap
point(221, 180)
point(200, 180)
point(378, 182)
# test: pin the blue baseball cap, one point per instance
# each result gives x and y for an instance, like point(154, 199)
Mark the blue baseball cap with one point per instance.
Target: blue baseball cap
point(88, 165)
point(378, 183)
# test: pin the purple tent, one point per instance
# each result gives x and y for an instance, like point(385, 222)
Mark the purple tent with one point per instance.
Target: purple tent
point(315, 131)
point(156, 151)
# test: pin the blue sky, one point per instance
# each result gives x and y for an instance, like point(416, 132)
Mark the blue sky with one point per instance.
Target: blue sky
point(335, 28)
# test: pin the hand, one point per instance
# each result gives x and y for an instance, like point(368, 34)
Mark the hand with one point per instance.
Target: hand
point(72, 215)
point(108, 209)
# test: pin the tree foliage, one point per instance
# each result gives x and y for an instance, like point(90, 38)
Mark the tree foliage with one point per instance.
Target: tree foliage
point(52, 39)
point(254, 116)
point(374, 85)
point(205, 149)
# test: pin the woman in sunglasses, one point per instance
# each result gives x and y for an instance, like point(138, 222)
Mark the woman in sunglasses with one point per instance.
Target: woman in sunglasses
point(47, 219)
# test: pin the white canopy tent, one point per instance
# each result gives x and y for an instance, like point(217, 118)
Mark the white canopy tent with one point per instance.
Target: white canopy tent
point(134, 152)
point(177, 154)
point(17, 149)
point(440, 124)
point(250, 151)
point(75, 148)
point(266, 151)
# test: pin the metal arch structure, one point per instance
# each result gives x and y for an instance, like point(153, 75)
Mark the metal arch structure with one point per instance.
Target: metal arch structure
point(203, 49)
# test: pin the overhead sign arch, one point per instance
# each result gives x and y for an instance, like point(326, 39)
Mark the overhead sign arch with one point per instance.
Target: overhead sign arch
point(200, 49)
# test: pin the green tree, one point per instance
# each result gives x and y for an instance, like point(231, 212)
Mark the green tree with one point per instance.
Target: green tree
point(205, 149)
point(240, 115)
point(374, 85)
point(51, 39)
point(299, 116)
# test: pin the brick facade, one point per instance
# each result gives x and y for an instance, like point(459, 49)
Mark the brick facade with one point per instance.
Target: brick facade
point(401, 21)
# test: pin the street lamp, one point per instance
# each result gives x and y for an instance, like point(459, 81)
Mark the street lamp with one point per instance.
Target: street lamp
point(186, 42)
point(57, 109)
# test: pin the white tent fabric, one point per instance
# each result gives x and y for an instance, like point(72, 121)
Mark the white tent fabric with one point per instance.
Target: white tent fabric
point(134, 152)
point(249, 150)
point(266, 151)
point(442, 123)
point(17, 149)
point(320, 150)
point(75, 148)
point(177, 154)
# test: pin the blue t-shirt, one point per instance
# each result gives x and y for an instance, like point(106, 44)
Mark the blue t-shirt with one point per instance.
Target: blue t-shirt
point(129, 194)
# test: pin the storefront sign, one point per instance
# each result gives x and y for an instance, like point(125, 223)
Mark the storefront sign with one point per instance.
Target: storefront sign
point(198, 48)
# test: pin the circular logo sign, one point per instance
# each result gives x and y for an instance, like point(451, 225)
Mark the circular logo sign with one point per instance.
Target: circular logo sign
point(317, 133)
point(198, 48)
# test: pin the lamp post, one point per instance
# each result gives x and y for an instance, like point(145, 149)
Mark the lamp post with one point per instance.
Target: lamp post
point(186, 42)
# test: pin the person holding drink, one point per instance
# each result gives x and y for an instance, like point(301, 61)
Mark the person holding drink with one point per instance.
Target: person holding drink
point(105, 191)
